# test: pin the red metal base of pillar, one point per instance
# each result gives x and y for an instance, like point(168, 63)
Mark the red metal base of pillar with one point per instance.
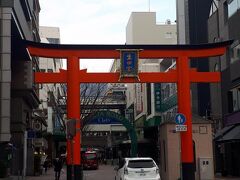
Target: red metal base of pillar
point(74, 172)
point(188, 171)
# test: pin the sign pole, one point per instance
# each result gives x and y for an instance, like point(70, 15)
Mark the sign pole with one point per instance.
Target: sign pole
point(180, 158)
point(184, 107)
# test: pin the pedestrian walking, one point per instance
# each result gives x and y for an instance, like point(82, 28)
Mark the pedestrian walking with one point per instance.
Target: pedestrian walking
point(45, 166)
point(57, 163)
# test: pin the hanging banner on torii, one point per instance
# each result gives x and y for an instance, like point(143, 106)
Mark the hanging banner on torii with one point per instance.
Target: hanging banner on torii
point(129, 63)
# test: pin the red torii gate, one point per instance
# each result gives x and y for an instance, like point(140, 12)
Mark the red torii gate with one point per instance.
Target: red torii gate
point(182, 75)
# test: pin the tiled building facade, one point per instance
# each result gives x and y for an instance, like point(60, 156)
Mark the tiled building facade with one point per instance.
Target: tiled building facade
point(18, 98)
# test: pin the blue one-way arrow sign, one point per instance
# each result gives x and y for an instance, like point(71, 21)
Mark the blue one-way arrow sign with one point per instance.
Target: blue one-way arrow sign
point(180, 120)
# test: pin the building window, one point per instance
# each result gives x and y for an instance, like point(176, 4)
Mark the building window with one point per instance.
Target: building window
point(149, 99)
point(173, 89)
point(235, 52)
point(216, 67)
point(214, 7)
point(129, 95)
point(53, 40)
point(235, 99)
point(233, 6)
point(50, 70)
point(225, 9)
point(167, 91)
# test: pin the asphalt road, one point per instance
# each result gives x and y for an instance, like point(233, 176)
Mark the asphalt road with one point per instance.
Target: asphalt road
point(105, 172)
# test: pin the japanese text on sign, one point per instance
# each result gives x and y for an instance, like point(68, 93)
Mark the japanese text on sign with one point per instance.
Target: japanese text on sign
point(129, 63)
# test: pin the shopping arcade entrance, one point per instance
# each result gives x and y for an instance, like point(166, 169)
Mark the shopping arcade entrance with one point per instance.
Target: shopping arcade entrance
point(110, 115)
point(182, 75)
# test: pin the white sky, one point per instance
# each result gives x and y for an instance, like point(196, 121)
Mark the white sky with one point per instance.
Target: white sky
point(99, 21)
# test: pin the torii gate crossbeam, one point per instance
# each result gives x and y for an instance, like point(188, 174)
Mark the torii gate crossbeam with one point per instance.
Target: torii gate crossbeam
point(182, 75)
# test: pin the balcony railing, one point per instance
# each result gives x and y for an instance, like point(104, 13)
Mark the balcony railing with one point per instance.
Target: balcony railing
point(169, 103)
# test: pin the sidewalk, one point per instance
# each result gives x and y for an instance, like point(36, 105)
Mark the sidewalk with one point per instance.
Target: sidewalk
point(98, 174)
point(226, 178)
point(50, 175)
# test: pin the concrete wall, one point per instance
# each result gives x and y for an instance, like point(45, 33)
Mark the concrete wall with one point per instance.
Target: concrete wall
point(5, 73)
point(202, 136)
point(49, 32)
point(142, 29)
point(181, 20)
point(169, 152)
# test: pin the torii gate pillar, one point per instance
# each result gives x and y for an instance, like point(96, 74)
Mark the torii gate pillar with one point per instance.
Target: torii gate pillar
point(184, 106)
point(73, 112)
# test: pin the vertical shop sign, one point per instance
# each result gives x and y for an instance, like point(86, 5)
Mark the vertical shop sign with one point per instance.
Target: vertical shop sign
point(139, 100)
point(157, 95)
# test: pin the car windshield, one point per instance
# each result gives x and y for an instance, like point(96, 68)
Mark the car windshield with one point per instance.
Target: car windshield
point(141, 164)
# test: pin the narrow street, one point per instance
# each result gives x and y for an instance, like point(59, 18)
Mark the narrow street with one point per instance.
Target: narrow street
point(105, 172)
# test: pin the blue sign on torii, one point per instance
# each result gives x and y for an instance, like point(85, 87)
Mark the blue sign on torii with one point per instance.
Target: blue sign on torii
point(129, 63)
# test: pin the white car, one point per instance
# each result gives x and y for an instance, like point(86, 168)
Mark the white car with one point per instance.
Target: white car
point(139, 168)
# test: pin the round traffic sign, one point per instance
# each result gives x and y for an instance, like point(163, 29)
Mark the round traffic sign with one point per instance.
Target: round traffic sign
point(180, 119)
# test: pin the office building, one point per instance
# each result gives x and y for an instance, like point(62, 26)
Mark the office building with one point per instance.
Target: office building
point(52, 97)
point(19, 95)
point(223, 24)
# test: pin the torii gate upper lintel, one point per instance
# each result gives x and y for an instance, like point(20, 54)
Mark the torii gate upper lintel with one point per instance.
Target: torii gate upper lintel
point(183, 75)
